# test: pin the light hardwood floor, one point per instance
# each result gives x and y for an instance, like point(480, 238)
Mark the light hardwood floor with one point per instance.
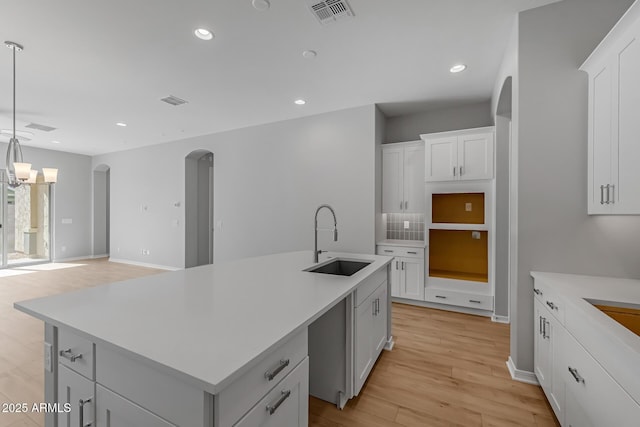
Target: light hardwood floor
point(446, 369)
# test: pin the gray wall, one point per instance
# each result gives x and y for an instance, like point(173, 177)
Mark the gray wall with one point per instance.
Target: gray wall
point(555, 232)
point(71, 199)
point(268, 181)
point(100, 216)
point(501, 307)
point(409, 127)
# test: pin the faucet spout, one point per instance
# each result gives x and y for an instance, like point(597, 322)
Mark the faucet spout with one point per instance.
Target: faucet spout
point(316, 252)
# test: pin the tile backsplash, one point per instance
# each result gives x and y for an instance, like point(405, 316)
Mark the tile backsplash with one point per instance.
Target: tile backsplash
point(396, 230)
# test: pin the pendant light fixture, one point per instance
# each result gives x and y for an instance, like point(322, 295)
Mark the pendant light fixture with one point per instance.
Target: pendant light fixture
point(17, 170)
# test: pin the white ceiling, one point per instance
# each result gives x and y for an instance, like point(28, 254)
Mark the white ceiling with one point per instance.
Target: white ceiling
point(88, 64)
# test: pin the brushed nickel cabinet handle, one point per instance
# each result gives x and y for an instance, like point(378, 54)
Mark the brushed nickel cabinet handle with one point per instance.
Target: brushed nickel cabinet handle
point(272, 408)
point(461, 170)
point(539, 325)
point(537, 291)
point(401, 205)
point(613, 194)
point(546, 334)
point(81, 404)
point(396, 265)
point(552, 305)
point(412, 253)
point(475, 301)
point(406, 205)
point(454, 171)
point(441, 297)
point(602, 194)
point(608, 194)
point(270, 375)
point(388, 251)
point(68, 354)
point(576, 375)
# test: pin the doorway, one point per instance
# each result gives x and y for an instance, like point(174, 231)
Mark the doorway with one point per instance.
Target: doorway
point(25, 223)
point(101, 210)
point(198, 208)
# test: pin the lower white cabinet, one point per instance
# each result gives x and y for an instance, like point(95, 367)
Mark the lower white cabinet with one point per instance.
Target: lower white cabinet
point(370, 333)
point(113, 410)
point(547, 339)
point(72, 389)
point(407, 271)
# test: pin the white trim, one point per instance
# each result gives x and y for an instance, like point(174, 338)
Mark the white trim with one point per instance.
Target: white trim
point(145, 264)
point(500, 319)
point(75, 258)
point(522, 376)
point(427, 304)
point(99, 256)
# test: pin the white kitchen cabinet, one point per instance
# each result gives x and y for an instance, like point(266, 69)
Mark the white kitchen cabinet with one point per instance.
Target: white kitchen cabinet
point(459, 155)
point(115, 411)
point(613, 125)
point(407, 271)
point(403, 177)
point(72, 388)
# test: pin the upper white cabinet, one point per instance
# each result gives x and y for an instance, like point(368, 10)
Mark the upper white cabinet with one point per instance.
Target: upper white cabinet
point(459, 155)
point(614, 128)
point(403, 177)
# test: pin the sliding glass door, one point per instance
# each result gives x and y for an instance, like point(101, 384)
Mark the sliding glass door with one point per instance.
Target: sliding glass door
point(26, 223)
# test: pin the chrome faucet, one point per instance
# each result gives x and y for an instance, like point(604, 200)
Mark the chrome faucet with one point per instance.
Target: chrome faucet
point(316, 252)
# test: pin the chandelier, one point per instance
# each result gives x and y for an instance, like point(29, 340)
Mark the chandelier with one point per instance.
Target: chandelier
point(19, 172)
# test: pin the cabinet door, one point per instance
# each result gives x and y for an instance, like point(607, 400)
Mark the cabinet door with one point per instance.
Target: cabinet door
point(414, 179)
point(364, 341)
point(394, 277)
point(412, 278)
point(625, 197)
point(441, 159)
point(542, 346)
point(380, 321)
point(600, 139)
point(392, 177)
point(113, 410)
point(475, 156)
point(71, 388)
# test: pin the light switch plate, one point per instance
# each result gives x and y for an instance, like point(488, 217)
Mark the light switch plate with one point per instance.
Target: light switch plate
point(406, 225)
point(48, 363)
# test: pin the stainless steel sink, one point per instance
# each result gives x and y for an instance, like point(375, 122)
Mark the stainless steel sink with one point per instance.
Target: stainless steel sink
point(340, 267)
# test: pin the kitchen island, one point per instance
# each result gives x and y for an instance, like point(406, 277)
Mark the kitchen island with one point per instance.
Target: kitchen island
point(218, 345)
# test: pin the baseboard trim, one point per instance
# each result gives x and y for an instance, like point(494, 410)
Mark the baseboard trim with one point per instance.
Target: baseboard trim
point(75, 258)
point(144, 264)
point(446, 307)
point(519, 375)
point(389, 344)
point(500, 319)
point(100, 256)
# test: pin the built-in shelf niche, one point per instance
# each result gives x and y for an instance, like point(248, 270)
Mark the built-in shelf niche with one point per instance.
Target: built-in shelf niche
point(457, 208)
point(459, 254)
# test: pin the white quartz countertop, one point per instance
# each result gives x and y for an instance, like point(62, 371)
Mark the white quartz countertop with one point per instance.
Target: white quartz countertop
point(206, 324)
point(405, 243)
point(615, 347)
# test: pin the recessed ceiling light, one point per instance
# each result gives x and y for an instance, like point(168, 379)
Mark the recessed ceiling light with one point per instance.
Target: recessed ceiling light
point(261, 5)
point(121, 124)
point(309, 54)
point(55, 142)
point(458, 68)
point(299, 102)
point(203, 33)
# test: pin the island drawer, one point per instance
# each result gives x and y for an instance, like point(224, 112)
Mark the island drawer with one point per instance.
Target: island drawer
point(286, 405)
point(242, 394)
point(76, 352)
point(367, 287)
point(546, 295)
point(155, 390)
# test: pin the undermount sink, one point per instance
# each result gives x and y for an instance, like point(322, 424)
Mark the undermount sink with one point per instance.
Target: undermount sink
point(626, 314)
point(340, 267)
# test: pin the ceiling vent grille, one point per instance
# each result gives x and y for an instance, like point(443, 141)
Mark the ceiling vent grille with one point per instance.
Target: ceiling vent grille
point(329, 11)
point(173, 100)
point(40, 127)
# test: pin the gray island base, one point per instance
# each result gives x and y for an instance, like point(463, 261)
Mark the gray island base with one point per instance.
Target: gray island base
point(241, 343)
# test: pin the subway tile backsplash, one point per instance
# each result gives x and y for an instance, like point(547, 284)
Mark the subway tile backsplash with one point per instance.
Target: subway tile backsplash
point(396, 230)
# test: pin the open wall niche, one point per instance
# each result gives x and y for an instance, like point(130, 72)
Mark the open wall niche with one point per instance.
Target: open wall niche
point(457, 208)
point(459, 254)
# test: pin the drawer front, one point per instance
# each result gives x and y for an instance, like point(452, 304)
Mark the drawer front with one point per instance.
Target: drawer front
point(240, 396)
point(604, 402)
point(545, 294)
point(400, 251)
point(372, 283)
point(286, 405)
point(151, 388)
point(461, 299)
point(115, 411)
point(76, 352)
point(73, 387)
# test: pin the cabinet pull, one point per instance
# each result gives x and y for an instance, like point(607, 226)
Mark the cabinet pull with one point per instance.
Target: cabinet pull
point(613, 194)
point(602, 194)
point(396, 265)
point(454, 171)
point(552, 306)
point(284, 395)
point(461, 170)
point(475, 301)
point(270, 375)
point(403, 265)
point(373, 307)
point(388, 251)
point(412, 253)
point(608, 194)
point(546, 334)
point(576, 375)
point(539, 325)
point(81, 404)
point(441, 297)
point(406, 205)
point(68, 354)
point(401, 205)
point(537, 291)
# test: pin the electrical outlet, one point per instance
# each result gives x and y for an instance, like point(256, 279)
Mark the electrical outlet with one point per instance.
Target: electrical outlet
point(406, 225)
point(468, 207)
point(48, 362)
point(145, 252)
point(475, 235)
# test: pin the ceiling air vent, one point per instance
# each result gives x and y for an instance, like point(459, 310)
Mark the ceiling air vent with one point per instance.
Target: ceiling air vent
point(173, 100)
point(40, 127)
point(329, 11)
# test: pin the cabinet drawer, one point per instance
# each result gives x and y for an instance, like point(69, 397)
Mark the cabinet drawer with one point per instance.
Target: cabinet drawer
point(155, 390)
point(367, 287)
point(286, 405)
point(461, 299)
point(72, 387)
point(400, 251)
point(241, 395)
point(603, 401)
point(76, 352)
point(545, 294)
point(114, 411)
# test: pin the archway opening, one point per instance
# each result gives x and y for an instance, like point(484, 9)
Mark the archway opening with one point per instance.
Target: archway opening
point(198, 208)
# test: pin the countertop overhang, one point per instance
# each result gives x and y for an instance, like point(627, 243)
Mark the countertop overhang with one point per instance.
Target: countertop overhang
point(207, 324)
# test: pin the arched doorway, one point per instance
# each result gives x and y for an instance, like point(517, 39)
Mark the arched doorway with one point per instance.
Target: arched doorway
point(101, 210)
point(198, 208)
point(503, 210)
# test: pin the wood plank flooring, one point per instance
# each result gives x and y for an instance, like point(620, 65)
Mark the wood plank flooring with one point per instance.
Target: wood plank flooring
point(446, 369)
